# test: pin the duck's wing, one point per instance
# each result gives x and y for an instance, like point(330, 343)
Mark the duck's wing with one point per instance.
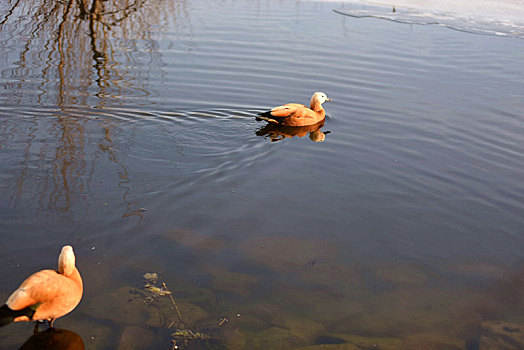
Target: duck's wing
point(40, 287)
point(287, 110)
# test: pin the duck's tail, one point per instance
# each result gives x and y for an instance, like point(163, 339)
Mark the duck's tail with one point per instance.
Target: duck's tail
point(7, 315)
point(267, 117)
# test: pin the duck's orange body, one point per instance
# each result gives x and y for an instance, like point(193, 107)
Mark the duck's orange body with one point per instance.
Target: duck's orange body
point(47, 294)
point(295, 114)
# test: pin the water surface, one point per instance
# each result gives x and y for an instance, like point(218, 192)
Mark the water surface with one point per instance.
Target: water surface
point(129, 132)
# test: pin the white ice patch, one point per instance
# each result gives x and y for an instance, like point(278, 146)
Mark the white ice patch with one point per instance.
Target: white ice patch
point(503, 18)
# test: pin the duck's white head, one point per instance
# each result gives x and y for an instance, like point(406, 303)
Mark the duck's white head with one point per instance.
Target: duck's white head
point(319, 97)
point(66, 261)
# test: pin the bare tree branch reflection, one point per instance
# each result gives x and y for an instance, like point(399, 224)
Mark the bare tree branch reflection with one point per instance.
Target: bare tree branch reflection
point(78, 38)
point(77, 53)
point(9, 13)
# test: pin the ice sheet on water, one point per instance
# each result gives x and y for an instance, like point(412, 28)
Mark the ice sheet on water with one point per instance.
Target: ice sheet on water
point(504, 18)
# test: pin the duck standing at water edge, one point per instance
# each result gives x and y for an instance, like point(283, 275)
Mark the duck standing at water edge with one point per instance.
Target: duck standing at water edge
point(46, 295)
point(295, 114)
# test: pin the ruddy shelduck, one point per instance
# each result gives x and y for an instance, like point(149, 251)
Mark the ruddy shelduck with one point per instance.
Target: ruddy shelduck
point(296, 114)
point(46, 295)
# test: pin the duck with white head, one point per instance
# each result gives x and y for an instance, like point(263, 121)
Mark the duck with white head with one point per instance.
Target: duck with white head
point(47, 294)
point(296, 114)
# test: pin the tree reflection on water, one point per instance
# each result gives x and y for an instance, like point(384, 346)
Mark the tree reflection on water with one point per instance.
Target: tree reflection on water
point(77, 48)
point(66, 54)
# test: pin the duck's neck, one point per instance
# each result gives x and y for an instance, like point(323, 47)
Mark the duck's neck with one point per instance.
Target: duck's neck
point(75, 276)
point(316, 105)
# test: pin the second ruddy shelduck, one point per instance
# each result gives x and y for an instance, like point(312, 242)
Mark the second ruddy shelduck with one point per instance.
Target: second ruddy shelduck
point(46, 295)
point(296, 114)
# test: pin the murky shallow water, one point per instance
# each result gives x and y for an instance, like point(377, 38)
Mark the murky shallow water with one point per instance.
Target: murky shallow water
point(131, 135)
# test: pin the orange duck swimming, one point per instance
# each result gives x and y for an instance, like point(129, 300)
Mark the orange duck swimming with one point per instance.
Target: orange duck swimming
point(295, 114)
point(46, 295)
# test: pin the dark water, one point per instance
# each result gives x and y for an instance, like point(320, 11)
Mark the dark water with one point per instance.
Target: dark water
point(128, 131)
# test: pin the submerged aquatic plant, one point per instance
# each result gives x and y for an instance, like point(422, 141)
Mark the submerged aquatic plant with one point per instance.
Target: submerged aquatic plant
point(181, 335)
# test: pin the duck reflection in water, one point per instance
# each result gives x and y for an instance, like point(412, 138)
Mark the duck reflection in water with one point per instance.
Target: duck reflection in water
point(277, 132)
point(54, 339)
